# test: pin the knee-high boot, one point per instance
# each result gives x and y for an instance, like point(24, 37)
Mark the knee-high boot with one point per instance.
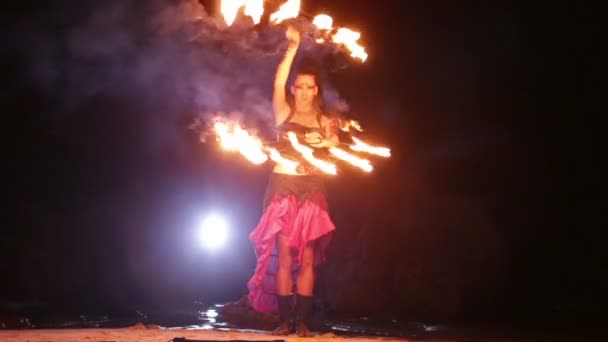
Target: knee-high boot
point(303, 314)
point(284, 303)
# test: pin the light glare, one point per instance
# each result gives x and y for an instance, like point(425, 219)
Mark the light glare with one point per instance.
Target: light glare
point(213, 231)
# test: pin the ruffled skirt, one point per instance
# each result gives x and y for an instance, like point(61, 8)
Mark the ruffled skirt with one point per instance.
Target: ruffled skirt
point(295, 206)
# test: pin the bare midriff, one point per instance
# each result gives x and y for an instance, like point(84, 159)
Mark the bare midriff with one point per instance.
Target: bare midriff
point(278, 168)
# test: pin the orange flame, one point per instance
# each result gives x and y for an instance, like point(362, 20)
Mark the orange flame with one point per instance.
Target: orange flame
point(229, 9)
point(234, 138)
point(346, 125)
point(291, 9)
point(360, 146)
point(349, 39)
point(307, 153)
point(289, 165)
point(253, 9)
point(288, 10)
point(323, 22)
point(363, 164)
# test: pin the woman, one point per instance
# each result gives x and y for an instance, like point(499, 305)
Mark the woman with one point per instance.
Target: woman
point(295, 229)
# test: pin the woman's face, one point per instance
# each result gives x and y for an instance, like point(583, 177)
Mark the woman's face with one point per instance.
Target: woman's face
point(304, 90)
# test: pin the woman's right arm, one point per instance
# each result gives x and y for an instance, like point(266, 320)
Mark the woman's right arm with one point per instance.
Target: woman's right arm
point(279, 101)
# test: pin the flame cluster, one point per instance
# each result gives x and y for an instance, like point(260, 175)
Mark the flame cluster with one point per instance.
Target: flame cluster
point(291, 9)
point(232, 137)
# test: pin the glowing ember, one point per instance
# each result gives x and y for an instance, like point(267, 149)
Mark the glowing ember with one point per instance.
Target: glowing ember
point(289, 165)
point(346, 125)
point(288, 10)
point(360, 146)
point(323, 22)
point(307, 153)
point(234, 138)
point(253, 9)
point(363, 164)
point(349, 39)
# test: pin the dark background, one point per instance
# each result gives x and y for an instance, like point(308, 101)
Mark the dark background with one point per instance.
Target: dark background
point(478, 213)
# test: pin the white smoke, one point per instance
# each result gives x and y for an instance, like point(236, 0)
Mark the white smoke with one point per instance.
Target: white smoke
point(170, 53)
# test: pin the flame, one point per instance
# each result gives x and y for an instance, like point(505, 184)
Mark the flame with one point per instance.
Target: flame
point(360, 146)
point(234, 138)
point(253, 9)
point(363, 164)
point(308, 155)
point(229, 9)
point(288, 10)
point(346, 125)
point(291, 9)
point(349, 39)
point(289, 165)
point(323, 22)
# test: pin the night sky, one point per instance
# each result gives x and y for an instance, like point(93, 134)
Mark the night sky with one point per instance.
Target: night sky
point(107, 180)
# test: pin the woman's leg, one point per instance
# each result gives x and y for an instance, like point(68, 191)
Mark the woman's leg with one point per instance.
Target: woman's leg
point(306, 276)
point(305, 281)
point(284, 286)
point(284, 277)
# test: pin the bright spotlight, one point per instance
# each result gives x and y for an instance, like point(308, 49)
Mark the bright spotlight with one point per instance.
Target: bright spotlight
point(213, 231)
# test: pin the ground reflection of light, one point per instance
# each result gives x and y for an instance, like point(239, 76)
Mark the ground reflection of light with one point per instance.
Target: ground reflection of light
point(209, 316)
point(341, 328)
point(211, 313)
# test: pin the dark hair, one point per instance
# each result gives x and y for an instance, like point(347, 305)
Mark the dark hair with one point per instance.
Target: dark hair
point(309, 66)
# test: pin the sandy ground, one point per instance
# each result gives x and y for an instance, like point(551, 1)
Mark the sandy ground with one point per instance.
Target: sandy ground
point(152, 335)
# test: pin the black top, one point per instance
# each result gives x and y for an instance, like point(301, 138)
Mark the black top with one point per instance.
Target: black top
point(298, 129)
point(284, 146)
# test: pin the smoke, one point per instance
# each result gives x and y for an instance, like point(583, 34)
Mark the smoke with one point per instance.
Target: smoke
point(172, 56)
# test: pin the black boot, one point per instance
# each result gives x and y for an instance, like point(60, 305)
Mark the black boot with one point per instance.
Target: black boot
point(303, 312)
point(284, 303)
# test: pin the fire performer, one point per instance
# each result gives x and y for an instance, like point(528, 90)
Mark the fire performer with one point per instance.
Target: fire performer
point(294, 231)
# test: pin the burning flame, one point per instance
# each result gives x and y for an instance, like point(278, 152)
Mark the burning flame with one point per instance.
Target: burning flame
point(291, 9)
point(360, 146)
point(323, 22)
point(289, 165)
point(253, 9)
point(308, 155)
point(346, 125)
point(234, 138)
point(363, 164)
point(229, 9)
point(288, 10)
point(349, 39)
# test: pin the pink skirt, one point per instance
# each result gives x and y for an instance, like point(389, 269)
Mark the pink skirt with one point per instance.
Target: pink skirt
point(295, 206)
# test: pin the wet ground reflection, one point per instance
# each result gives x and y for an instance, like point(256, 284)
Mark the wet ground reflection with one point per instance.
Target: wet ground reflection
point(239, 316)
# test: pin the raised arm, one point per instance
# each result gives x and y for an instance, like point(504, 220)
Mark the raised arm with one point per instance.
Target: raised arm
point(279, 101)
